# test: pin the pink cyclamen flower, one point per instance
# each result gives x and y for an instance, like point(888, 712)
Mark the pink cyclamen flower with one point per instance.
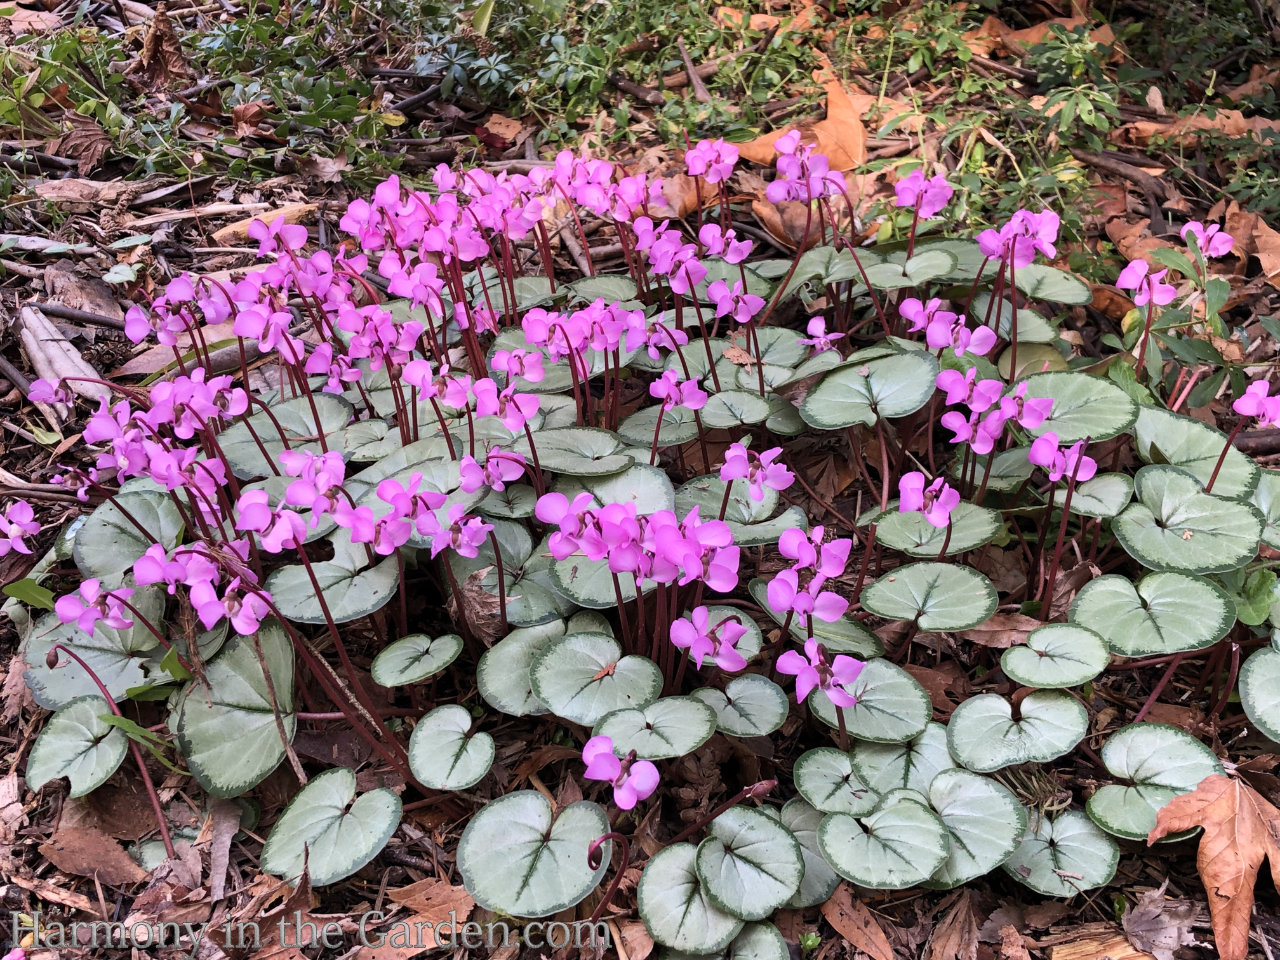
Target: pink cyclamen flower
point(292, 236)
point(1019, 240)
point(499, 469)
point(1254, 402)
point(244, 609)
point(814, 670)
point(921, 315)
point(809, 552)
point(928, 197)
point(1212, 240)
point(1149, 289)
point(1071, 463)
point(48, 391)
point(785, 594)
point(936, 501)
point(981, 433)
point(759, 470)
point(948, 330)
point(734, 301)
point(703, 639)
point(712, 159)
point(17, 523)
point(1029, 413)
point(464, 534)
point(673, 392)
point(633, 780)
point(818, 338)
point(91, 604)
point(724, 243)
point(977, 395)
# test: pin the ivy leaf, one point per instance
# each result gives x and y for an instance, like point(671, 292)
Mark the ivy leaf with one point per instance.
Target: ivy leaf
point(1240, 830)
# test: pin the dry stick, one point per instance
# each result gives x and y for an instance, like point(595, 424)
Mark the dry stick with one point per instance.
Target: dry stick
point(700, 92)
point(133, 746)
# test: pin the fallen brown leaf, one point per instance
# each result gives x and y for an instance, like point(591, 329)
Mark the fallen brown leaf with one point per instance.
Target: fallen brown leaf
point(432, 902)
point(956, 935)
point(1002, 630)
point(324, 169)
point(86, 142)
point(88, 852)
point(22, 22)
point(1254, 236)
point(1160, 926)
point(245, 118)
point(1011, 945)
point(853, 921)
point(1241, 829)
point(161, 61)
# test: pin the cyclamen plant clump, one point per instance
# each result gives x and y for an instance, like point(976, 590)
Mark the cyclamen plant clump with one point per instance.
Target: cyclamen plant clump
point(491, 490)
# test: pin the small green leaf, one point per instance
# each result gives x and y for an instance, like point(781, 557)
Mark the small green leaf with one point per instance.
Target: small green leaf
point(30, 593)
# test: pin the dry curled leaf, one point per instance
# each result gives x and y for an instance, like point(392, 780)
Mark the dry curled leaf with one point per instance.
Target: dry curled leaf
point(88, 852)
point(1002, 630)
point(161, 61)
point(1241, 829)
point(86, 142)
point(956, 935)
point(853, 921)
point(1160, 926)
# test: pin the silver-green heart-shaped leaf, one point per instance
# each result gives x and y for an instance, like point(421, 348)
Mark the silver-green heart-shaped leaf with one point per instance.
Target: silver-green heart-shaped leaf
point(328, 831)
point(749, 706)
point(649, 488)
point(1063, 857)
point(1175, 525)
point(675, 907)
point(1260, 691)
point(679, 425)
point(1266, 497)
point(1083, 406)
point(502, 676)
point(583, 676)
point(368, 440)
point(590, 583)
point(861, 393)
point(935, 596)
point(1164, 613)
point(733, 408)
point(914, 535)
point(78, 744)
point(610, 289)
point(998, 315)
point(303, 420)
point(913, 765)
point(1039, 281)
point(518, 857)
point(515, 501)
point(1056, 655)
point(414, 658)
point(226, 726)
point(1162, 437)
point(352, 589)
point(1159, 762)
point(752, 522)
point(579, 451)
point(669, 727)
point(819, 880)
point(983, 735)
point(1103, 496)
point(749, 864)
point(1009, 470)
point(984, 820)
point(759, 941)
point(118, 657)
point(826, 779)
point(444, 754)
point(108, 543)
point(892, 707)
point(900, 845)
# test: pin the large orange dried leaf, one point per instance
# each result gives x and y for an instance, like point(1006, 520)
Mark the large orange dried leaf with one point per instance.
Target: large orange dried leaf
point(1241, 829)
